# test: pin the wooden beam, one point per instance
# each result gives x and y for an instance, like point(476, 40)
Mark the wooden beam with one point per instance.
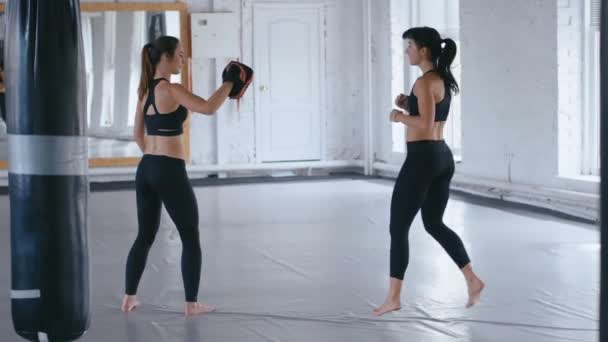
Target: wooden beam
point(133, 6)
point(185, 39)
point(128, 6)
point(114, 162)
point(97, 162)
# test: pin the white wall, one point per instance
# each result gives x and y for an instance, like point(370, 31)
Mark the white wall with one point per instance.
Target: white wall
point(509, 90)
point(570, 76)
point(513, 106)
point(381, 78)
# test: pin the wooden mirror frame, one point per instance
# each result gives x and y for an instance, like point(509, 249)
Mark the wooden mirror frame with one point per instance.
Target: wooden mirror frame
point(184, 17)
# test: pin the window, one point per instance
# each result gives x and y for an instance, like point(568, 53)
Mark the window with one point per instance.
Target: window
point(399, 20)
point(109, 71)
point(444, 16)
point(139, 39)
point(591, 115)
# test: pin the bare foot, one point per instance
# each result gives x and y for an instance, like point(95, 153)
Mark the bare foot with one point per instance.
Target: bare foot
point(388, 306)
point(475, 286)
point(129, 303)
point(195, 308)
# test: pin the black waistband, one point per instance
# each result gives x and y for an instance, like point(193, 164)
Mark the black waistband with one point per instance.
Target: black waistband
point(163, 158)
point(426, 145)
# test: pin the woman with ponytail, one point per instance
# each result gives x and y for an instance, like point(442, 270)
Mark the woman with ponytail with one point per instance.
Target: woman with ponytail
point(423, 183)
point(161, 176)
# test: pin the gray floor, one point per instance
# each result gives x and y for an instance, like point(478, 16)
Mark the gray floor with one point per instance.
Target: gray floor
point(98, 148)
point(308, 261)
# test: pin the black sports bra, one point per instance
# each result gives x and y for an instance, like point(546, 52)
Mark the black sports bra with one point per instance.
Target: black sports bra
point(170, 124)
point(442, 108)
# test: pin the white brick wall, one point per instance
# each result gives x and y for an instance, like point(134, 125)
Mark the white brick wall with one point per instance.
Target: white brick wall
point(344, 100)
point(570, 71)
point(381, 78)
point(509, 90)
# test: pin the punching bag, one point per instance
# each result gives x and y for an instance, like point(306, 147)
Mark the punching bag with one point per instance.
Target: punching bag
point(48, 183)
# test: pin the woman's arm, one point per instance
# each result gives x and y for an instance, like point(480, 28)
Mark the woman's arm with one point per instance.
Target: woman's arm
point(198, 104)
point(426, 108)
point(138, 127)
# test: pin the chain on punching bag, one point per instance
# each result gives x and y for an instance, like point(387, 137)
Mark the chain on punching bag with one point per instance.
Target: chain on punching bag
point(48, 184)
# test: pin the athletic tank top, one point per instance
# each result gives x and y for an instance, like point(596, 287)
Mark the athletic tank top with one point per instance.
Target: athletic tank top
point(442, 108)
point(170, 124)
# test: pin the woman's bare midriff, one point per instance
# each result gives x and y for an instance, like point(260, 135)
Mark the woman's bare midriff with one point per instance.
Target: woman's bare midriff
point(165, 146)
point(436, 133)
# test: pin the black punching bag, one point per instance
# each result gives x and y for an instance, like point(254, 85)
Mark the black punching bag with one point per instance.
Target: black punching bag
point(48, 184)
point(604, 170)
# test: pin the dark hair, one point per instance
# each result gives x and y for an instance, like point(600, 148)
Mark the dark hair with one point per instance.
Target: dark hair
point(442, 57)
point(150, 57)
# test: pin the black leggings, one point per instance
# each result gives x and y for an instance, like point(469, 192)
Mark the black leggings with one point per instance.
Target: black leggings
point(162, 179)
point(423, 183)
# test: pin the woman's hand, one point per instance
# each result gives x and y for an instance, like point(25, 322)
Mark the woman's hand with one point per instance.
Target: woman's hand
point(401, 101)
point(395, 115)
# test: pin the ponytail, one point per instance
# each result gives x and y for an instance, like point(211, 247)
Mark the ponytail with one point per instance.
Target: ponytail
point(444, 62)
point(150, 57)
point(147, 70)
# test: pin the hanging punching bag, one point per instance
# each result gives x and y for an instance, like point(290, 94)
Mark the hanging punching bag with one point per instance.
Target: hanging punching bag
point(48, 184)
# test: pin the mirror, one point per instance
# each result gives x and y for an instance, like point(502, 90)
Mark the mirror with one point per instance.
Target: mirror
point(113, 36)
point(112, 50)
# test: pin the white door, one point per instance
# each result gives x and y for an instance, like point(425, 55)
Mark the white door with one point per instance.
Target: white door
point(287, 59)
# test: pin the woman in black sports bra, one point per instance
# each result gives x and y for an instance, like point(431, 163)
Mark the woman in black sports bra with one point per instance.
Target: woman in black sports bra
point(424, 180)
point(161, 175)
